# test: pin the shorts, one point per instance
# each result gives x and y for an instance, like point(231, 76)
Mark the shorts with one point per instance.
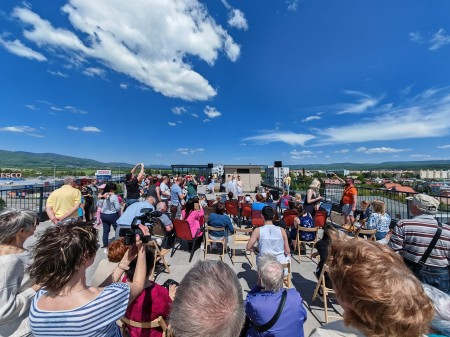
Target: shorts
point(347, 210)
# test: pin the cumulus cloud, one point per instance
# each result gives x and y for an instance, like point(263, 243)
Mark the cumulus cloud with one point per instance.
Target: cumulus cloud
point(186, 151)
point(379, 150)
point(178, 110)
point(171, 123)
point(123, 86)
point(444, 147)
point(237, 19)
point(211, 112)
point(28, 130)
point(149, 41)
point(290, 138)
point(18, 48)
point(73, 128)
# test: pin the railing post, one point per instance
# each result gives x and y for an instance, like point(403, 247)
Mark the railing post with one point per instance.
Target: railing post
point(41, 203)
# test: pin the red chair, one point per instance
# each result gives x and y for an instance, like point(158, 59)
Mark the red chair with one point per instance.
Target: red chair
point(289, 220)
point(320, 219)
point(257, 219)
point(232, 208)
point(183, 232)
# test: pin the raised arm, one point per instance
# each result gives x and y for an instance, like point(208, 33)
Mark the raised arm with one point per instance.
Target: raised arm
point(141, 173)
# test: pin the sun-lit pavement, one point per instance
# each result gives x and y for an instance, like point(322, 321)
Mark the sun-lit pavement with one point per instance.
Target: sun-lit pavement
point(303, 278)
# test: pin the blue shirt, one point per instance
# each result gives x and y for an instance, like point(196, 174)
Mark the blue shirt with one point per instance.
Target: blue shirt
point(175, 192)
point(260, 307)
point(132, 211)
point(220, 220)
point(258, 206)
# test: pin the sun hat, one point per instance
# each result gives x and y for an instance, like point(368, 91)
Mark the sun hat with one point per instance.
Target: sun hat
point(425, 203)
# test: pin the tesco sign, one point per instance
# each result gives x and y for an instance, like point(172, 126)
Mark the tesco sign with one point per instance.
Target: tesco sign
point(103, 173)
point(11, 175)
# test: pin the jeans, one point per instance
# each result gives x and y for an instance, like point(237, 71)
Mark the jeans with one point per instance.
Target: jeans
point(108, 220)
point(131, 201)
point(380, 235)
point(434, 276)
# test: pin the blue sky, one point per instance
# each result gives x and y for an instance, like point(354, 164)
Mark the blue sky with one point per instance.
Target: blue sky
point(233, 82)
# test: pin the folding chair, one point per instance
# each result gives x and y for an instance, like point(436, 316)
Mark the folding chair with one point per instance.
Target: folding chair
point(159, 230)
point(156, 323)
point(241, 236)
point(312, 243)
point(370, 234)
point(287, 276)
point(159, 256)
point(183, 232)
point(321, 285)
point(257, 219)
point(209, 241)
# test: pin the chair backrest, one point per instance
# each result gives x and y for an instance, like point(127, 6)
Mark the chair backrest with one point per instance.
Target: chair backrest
point(156, 323)
point(320, 218)
point(238, 230)
point(289, 220)
point(159, 229)
point(182, 229)
point(290, 212)
point(211, 228)
point(369, 232)
point(231, 207)
point(257, 218)
point(246, 210)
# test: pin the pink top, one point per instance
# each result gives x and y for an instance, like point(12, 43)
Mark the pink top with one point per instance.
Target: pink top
point(194, 221)
point(152, 302)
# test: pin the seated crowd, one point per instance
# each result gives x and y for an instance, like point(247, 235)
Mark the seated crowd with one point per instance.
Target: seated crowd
point(45, 292)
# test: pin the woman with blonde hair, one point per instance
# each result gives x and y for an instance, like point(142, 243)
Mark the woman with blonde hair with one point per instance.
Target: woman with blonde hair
point(379, 294)
point(379, 219)
point(312, 195)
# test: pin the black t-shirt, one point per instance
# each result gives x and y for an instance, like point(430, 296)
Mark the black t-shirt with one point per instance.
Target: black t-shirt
point(132, 188)
point(151, 191)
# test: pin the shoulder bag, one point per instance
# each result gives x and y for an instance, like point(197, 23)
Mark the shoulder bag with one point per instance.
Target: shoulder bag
point(418, 266)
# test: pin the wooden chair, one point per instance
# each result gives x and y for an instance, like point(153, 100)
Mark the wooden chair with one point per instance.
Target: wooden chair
point(241, 236)
point(209, 241)
point(183, 232)
point(257, 218)
point(312, 243)
point(156, 323)
point(159, 230)
point(159, 256)
point(325, 291)
point(287, 276)
point(370, 234)
point(320, 219)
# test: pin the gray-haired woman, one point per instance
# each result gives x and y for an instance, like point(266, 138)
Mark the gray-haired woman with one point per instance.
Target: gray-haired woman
point(16, 287)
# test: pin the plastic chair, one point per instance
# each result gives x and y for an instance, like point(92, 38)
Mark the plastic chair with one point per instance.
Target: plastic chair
point(320, 219)
point(232, 208)
point(289, 220)
point(312, 243)
point(246, 212)
point(183, 232)
point(209, 241)
point(241, 236)
point(321, 285)
point(257, 218)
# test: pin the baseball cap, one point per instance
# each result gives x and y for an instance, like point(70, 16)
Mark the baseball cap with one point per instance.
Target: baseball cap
point(248, 199)
point(425, 203)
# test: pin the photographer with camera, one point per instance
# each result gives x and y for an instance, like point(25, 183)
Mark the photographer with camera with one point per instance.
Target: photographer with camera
point(132, 211)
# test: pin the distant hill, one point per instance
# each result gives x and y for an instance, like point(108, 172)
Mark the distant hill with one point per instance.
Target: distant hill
point(23, 159)
point(395, 165)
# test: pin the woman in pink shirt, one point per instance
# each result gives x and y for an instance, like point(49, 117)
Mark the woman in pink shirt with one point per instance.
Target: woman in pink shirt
point(194, 214)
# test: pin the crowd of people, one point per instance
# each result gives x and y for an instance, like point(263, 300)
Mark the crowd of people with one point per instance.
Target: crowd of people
point(399, 286)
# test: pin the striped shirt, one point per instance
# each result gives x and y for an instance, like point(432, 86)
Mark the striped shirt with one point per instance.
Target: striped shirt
point(96, 318)
point(411, 237)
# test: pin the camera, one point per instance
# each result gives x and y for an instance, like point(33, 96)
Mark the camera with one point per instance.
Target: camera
point(147, 216)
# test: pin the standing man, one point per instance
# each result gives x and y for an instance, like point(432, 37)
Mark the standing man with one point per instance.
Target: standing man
point(132, 184)
point(191, 187)
point(349, 200)
point(165, 190)
point(94, 189)
point(287, 183)
point(176, 195)
point(63, 203)
point(412, 237)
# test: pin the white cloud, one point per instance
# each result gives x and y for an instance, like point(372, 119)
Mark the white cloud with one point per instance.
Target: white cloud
point(416, 37)
point(178, 110)
point(18, 48)
point(57, 73)
point(150, 41)
point(420, 156)
point(194, 115)
point(439, 39)
point(73, 128)
point(237, 19)
point(186, 151)
point(292, 5)
point(28, 130)
point(55, 108)
point(123, 86)
point(211, 112)
point(298, 153)
point(444, 147)
point(90, 129)
point(379, 150)
point(364, 103)
point(94, 72)
point(342, 151)
point(206, 120)
point(75, 110)
point(31, 107)
point(290, 138)
point(171, 123)
point(311, 118)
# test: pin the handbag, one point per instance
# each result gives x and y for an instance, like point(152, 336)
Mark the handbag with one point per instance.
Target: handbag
point(264, 327)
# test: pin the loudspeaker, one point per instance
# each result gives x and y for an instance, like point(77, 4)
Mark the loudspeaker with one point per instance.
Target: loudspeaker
point(210, 165)
point(277, 164)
